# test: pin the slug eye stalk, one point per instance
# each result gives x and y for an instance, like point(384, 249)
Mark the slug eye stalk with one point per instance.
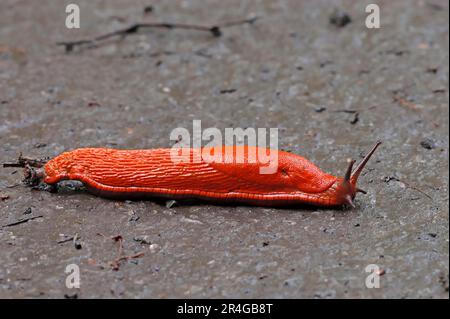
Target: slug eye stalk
point(360, 167)
point(349, 171)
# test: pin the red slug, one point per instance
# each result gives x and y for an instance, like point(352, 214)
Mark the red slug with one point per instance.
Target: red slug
point(155, 173)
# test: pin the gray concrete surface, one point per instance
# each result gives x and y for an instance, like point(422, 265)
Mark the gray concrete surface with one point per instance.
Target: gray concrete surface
point(285, 67)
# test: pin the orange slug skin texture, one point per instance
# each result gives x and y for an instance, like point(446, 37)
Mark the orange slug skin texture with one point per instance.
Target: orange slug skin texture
point(153, 172)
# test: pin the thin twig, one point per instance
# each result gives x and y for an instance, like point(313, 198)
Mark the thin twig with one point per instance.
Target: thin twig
point(345, 111)
point(21, 221)
point(389, 178)
point(33, 172)
point(115, 264)
point(355, 118)
point(25, 161)
point(215, 30)
point(405, 103)
point(13, 186)
point(416, 189)
point(62, 241)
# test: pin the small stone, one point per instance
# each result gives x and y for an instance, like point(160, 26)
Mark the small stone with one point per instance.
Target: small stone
point(145, 240)
point(148, 9)
point(39, 145)
point(171, 203)
point(340, 19)
point(320, 109)
point(76, 242)
point(133, 218)
point(428, 144)
point(154, 248)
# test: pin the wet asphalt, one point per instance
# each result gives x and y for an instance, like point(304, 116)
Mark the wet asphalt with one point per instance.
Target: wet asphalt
point(331, 86)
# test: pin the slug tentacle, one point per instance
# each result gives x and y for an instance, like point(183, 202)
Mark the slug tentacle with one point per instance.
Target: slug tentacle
point(359, 190)
point(349, 171)
point(360, 167)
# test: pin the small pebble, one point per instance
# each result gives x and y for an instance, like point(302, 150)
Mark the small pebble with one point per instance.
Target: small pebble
point(320, 109)
point(340, 19)
point(171, 203)
point(154, 248)
point(145, 240)
point(428, 144)
point(148, 9)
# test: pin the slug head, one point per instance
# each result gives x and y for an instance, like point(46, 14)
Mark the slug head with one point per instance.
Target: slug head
point(346, 187)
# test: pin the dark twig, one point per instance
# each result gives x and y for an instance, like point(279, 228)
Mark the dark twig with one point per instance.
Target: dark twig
point(24, 162)
point(33, 169)
point(21, 221)
point(355, 118)
point(215, 30)
point(346, 111)
point(115, 264)
point(62, 241)
point(13, 186)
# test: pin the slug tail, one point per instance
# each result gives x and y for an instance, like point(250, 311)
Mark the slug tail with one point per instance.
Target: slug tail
point(360, 167)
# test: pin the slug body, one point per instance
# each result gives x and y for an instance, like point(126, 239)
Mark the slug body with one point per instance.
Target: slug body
point(157, 173)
